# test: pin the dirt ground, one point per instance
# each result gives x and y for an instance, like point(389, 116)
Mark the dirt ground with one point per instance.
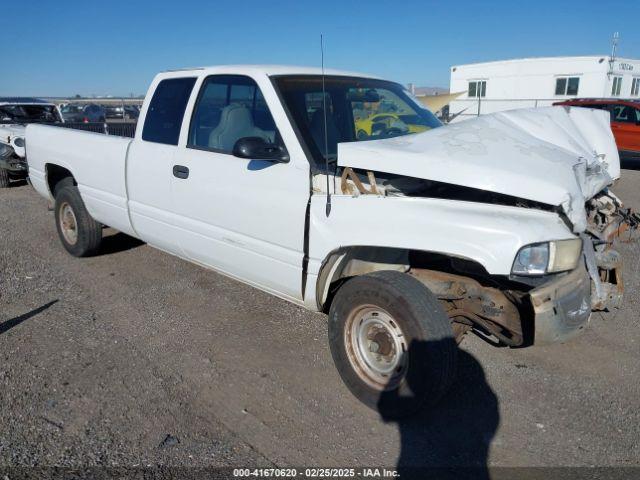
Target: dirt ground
point(134, 357)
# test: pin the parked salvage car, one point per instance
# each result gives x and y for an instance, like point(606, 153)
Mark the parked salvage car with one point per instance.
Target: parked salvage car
point(94, 114)
point(625, 122)
point(114, 111)
point(383, 123)
point(502, 224)
point(123, 112)
point(131, 112)
point(73, 113)
point(15, 113)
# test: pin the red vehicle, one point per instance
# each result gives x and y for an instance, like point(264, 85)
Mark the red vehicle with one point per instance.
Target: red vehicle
point(625, 122)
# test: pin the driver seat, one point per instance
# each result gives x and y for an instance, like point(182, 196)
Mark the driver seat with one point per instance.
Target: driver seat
point(235, 122)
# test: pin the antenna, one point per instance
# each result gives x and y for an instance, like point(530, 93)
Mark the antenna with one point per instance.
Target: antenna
point(614, 48)
point(326, 139)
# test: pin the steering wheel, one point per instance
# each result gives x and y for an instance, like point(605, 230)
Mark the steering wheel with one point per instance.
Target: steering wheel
point(393, 132)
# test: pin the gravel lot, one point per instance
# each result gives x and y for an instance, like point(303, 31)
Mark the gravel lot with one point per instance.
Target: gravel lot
point(135, 357)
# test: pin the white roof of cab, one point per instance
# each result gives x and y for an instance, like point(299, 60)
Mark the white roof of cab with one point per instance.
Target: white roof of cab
point(270, 70)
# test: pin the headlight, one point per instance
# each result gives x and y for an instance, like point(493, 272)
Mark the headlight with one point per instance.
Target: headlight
point(19, 142)
point(548, 257)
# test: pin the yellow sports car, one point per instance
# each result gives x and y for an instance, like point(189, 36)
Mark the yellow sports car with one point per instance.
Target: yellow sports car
point(387, 124)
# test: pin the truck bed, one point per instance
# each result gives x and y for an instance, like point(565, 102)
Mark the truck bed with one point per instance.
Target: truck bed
point(98, 164)
point(118, 129)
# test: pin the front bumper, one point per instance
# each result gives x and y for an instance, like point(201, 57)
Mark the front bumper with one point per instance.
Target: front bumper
point(562, 307)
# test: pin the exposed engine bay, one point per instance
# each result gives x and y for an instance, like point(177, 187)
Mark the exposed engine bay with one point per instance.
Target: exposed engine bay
point(357, 182)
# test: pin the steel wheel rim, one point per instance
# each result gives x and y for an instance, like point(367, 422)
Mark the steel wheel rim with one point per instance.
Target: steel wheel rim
point(376, 347)
point(68, 223)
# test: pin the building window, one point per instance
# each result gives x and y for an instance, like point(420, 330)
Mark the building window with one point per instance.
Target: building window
point(567, 85)
point(616, 86)
point(635, 87)
point(477, 89)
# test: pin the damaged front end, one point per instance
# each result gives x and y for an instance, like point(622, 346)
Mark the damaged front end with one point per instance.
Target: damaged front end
point(608, 221)
point(12, 151)
point(514, 310)
point(15, 164)
point(562, 306)
point(552, 160)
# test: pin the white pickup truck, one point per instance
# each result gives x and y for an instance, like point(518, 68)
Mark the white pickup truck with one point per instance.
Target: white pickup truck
point(341, 193)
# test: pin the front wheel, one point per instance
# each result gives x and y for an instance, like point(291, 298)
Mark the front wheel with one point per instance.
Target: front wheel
point(79, 233)
point(392, 343)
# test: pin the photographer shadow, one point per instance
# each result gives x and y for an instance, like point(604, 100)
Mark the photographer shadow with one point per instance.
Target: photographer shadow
point(452, 438)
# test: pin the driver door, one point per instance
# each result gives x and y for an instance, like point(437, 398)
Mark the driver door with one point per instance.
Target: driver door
point(240, 216)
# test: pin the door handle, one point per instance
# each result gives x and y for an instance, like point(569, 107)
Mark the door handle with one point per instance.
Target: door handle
point(180, 171)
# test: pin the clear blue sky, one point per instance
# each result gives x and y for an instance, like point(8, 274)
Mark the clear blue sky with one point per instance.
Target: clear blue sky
point(64, 47)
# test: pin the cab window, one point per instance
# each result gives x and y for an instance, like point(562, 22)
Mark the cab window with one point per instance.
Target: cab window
point(230, 107)
point(166, 111)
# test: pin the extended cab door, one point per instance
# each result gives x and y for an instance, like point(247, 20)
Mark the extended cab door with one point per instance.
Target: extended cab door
point(244, 217)
point(150, 163)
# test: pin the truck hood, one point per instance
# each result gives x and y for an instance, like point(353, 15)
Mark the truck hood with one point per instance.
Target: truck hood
point(555, 155)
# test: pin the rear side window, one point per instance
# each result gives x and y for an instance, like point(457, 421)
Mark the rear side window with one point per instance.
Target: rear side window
point(166, 110)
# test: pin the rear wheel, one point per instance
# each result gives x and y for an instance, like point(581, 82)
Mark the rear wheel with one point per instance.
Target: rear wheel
point(4, 178)
point(79, 233)
point(392, 343)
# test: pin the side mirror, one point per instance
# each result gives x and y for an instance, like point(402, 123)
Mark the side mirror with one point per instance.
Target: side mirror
point(256, 148)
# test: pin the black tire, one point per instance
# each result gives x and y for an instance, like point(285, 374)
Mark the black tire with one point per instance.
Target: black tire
point(65, 182)
point(428, 367)
point(4, 178)
point(88, 232)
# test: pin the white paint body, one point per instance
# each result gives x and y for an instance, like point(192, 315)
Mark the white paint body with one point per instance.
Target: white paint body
point(555, 155)
point(247, 218)
point(531, 82)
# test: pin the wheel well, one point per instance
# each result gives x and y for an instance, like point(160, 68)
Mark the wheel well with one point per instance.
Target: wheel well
point(348, 262)
point(56, 174)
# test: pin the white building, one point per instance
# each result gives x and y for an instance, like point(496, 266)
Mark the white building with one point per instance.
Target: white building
point(534, 82)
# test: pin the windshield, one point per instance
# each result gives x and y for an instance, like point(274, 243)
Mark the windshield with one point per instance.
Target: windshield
point(71, 109)
point(28, 114)
point(358, 109)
